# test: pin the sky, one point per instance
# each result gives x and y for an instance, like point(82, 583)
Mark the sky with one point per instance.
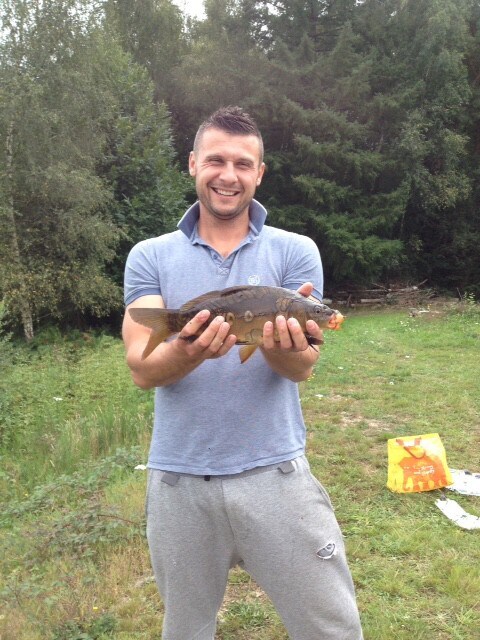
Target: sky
point(191, 7)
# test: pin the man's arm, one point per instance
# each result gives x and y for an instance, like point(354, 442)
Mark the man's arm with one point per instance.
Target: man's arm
point(171, 361)
point(292, 357)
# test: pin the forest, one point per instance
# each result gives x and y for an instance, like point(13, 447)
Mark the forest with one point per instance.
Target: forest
point(370, 113)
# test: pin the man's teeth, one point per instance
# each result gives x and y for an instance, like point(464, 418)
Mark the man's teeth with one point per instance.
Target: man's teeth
point(224, 192)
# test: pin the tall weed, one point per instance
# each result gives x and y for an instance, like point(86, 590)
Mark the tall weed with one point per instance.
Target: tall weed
point(64, 402)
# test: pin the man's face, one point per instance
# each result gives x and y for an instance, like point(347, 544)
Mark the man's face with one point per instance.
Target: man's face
point(227, 170)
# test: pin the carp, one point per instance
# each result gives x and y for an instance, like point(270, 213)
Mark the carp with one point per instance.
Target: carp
point(245, 308)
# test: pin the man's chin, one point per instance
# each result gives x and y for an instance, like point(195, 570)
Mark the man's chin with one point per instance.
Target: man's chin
point(226, 214)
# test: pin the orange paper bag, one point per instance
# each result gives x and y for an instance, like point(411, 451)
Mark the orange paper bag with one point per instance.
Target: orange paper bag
point(417, 463)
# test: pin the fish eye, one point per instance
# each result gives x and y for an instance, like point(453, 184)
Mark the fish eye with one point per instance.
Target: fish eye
point(318, 310)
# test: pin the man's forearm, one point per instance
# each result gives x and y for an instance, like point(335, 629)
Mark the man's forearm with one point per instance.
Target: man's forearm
point(295, 366)
point(166, 365)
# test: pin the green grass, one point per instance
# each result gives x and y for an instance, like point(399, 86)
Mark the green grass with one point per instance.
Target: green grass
point(73, 556)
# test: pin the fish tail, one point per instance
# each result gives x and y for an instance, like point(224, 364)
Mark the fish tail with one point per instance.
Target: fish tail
point(156, 319)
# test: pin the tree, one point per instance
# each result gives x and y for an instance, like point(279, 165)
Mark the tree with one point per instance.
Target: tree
point(334, 177)
point(224, 65)
point(77, 127)
point(433, 144)
point(58, 237)
point(151, 31)
point(139, 164)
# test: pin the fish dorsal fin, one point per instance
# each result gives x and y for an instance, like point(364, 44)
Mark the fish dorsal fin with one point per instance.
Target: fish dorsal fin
point(208, 297)
point(238, 289)
point(205, 297)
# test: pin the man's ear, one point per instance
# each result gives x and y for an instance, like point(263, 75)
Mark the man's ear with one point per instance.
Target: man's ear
point(192, 168)
point(261, 171)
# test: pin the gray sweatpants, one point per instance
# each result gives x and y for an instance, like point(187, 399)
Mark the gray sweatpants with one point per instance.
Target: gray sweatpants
point(278, 525)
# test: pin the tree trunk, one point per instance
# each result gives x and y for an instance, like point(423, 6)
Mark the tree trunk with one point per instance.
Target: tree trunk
point(17, 265)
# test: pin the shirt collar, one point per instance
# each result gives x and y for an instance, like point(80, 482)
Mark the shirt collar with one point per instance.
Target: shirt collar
point(188, 223)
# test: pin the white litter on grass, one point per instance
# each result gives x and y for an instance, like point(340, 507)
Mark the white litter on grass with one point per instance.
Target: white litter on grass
point(140, 467)
point(459, 516)
point(465, 482)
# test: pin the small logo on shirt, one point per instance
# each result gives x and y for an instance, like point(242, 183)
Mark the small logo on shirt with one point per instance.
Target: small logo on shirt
point(255, 279)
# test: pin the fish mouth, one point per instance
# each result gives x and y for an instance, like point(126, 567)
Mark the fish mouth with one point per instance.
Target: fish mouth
point(335, 320)
point(228, 193)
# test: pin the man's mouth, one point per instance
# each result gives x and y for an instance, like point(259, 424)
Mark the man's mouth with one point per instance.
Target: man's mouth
point(225, 192)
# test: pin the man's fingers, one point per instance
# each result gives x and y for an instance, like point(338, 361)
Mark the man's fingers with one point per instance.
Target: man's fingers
point(306, 289)
point(283, 331)
point(297, 336)
point(226, 345)
point(268, 335)
point(214, 334)
point(314, 330)
point(192, 327)
point(208, 341)
point(286, 335)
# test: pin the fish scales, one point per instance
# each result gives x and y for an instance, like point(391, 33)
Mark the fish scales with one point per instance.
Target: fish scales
point(245, 308)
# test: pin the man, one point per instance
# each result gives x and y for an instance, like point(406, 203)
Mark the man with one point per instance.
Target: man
point(228, 479)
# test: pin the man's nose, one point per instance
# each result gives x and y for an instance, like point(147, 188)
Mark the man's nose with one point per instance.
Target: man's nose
point(228, 173)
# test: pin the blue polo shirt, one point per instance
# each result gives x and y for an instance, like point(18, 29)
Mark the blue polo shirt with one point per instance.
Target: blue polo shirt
point(224, 417)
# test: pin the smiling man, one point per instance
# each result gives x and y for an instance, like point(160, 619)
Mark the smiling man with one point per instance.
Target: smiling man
point(226, 174)
point(229, 483)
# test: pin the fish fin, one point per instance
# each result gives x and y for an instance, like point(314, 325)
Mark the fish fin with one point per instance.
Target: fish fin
point(153, 318)
point(238, 289)
point(222, 293)
point(156, 319)
point(254, 290)
point(205, 297)
point(247, 351)
point(153, 342)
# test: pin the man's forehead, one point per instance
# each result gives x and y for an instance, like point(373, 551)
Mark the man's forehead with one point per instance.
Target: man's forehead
point(213, 138)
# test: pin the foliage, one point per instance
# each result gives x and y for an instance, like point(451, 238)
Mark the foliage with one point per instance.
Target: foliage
point(87, 161)
point(70, 515)
point(151, 31)
point(139, 165)
point(6, 346)
point(47, 398)
point(67, 517)
point(100, 628)
point(369, 112)
point(58, 234)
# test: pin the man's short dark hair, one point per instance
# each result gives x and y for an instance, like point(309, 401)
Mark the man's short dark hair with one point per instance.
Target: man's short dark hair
point(233, 120)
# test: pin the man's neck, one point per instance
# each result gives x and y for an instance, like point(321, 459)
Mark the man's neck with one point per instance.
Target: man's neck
point(223, 235)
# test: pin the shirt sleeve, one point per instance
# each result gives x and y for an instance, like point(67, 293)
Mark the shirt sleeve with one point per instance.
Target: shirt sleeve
point(304, 264)
point(141, 273)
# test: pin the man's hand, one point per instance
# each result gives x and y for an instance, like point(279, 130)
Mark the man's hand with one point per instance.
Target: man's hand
point(171, 361)
point(290, 334)
point(213, 342)
point(291, 340)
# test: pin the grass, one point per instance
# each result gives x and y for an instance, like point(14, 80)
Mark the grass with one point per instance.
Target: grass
point(73, 555)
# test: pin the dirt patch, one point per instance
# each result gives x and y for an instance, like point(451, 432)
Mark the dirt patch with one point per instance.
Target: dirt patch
point(242, 588)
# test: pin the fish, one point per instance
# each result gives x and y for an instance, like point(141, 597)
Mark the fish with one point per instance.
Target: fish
point(245, 308)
